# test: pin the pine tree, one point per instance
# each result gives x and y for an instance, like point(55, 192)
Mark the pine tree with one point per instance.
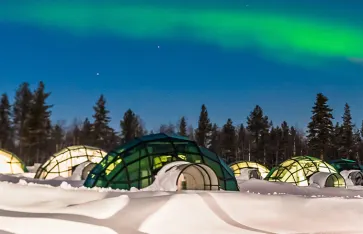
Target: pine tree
point(228, 143)
point(6, 131)
point(241, 143)
point(320, 128)
point(86, 133)
point(347, 134)
point(101, 131)
point(284, 143)
point(273, 147)
point(129, 126)
point(356, 145)
point(336, 140)
point(182, 127)
point(190, 133)
point(215, 141)
point(39, 125)
point(203, 132)
point(21, 109)
point(58, 134)
point(258, 125)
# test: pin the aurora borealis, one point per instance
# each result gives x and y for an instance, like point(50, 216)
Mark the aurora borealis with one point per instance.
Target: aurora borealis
point(176, 54)
point(277, 35)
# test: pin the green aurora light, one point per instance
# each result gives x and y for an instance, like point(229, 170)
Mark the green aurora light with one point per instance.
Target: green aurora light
point(287, 38)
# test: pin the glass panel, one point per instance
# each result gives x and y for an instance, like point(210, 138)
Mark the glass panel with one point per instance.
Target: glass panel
point(134, 171)
point(194, 158)
point(126, 146)
point(113, 169)
point(209, 154)
point(231, 185)
point(215, 167)
point(228, 173)
point(161, 148)
point(186, 147)
point(120, 176)
point(145, 170)
point(145, 182)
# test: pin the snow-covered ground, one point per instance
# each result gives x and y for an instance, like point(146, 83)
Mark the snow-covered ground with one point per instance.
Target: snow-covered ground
point(40, 206)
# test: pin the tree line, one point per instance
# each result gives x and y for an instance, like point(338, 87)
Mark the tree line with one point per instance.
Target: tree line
point(26, 130)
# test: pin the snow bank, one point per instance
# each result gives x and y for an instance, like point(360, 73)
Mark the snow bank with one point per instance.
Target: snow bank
point(34, 208)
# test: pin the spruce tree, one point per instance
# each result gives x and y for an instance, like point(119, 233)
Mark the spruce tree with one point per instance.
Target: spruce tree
point(190, 133)
point(86, 133)
point(39, 125)
point(101, 131)
point(76, 135)
point(58, 134)
point(241, 142)
point(215, 140)
point(129, 126)
point(203, 132)
point(356, 145)
point(336, 140)
point(182, 127)
point(284, 143)
point(6, 131)
point(320, 128)
point(228, 144)
point(21, 109)
point(273, 147)
point(346, 149)
point(258, 125)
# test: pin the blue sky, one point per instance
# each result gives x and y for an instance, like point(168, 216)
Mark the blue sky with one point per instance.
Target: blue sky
point(163, 84)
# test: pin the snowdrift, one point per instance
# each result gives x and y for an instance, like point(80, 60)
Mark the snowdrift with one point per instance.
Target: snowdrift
point(35, 208)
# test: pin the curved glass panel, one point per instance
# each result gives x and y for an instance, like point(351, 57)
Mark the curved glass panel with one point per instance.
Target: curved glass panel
point(237, 166)
point(10, 163)
point(335, 180)
point(65, 161)
point(138, 163)
point(297, 170)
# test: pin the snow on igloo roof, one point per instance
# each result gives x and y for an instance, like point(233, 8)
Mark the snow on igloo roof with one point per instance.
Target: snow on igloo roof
point(64, 162)
point(298, 169)
point(10, 163)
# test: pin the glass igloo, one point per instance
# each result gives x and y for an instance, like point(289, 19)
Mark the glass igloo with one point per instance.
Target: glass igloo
point(10, 163)
point(345, 164)
point(238, 166)
point(136, 163)
point(65, 162)
point(298, 170)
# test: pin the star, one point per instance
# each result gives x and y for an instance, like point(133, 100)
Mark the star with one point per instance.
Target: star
point(97, 74)
point(158, 47)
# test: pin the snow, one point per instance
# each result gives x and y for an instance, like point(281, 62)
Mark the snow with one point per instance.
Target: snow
point(63, 206)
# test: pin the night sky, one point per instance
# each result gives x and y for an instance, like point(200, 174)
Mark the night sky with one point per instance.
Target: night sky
point(165, 58)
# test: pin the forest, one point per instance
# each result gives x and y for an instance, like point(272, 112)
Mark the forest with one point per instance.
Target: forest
point(26, 129)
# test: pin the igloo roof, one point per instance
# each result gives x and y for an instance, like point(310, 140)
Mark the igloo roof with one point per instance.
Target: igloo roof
point(237, 166)
point(63, 163)
point(345, 164)
point(297, 170)
point(136, 163)
point(10, 163)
